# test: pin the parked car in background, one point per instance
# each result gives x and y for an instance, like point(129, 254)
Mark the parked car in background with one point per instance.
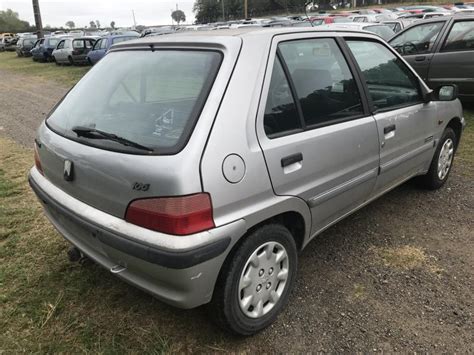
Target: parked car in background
point(441, 50)
point(398, 24)
point(73, 50)
point(386, 12)
point(381, 30)
point(370, 18)
point(24, 46)
point(8, 44)
point(43, 49)
point(186, 164)
point(8, 37)
point(324, 20)
point(102, 45)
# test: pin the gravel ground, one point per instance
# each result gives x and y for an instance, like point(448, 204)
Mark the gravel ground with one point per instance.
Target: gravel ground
point(395, 276)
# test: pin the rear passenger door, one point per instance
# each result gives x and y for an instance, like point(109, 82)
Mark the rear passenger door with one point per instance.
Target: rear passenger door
point(454, 62)
point(405, 124)
point(319, 140)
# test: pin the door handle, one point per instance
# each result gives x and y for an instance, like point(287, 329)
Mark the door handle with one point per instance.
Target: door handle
point(389, 129)
point(291, 159)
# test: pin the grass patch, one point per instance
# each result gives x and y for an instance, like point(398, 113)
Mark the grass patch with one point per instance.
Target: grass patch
point(406, 257)
point(403, 257)
point(48, 304)
point(64, 75)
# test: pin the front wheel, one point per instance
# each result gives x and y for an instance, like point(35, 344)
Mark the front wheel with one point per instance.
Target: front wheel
point(255, 282)
point(442, 162)
point(71, 61)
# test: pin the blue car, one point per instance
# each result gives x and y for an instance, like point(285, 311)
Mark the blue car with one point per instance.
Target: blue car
point(43, 48)
point(102, 46)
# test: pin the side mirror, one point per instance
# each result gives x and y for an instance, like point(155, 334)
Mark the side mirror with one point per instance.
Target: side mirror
point(446, 92)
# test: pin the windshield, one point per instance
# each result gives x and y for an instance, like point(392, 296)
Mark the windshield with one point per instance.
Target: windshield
point(383, 31)
point(150, 98)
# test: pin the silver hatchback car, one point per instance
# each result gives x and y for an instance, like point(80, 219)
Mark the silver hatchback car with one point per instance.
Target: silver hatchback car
point(197, 166)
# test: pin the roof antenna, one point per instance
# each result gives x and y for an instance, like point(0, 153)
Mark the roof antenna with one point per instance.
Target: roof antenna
point(305, 7)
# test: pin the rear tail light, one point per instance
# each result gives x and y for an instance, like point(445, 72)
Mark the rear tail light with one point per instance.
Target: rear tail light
point(181, 215)
point(37, 160)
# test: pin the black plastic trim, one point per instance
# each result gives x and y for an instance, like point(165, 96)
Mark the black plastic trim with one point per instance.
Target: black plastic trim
point(169, 259)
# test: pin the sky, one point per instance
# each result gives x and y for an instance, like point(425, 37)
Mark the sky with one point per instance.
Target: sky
point(57, 12)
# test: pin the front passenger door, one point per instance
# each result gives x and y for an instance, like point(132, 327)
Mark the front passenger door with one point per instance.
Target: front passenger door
point(405, 124)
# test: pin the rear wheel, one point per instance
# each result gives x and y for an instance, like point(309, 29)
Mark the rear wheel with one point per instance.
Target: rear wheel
point(442, 162)
point(71, 61)
point(255, 282)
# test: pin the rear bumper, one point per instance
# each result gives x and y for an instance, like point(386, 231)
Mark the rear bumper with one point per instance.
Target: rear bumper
point(180, 271)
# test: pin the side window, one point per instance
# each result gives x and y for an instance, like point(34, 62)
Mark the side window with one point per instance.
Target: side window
point(460, 38)
point(418, 39)
point(60, 45)
point(97, 44)
point(103, 44)
point(391, 83)
point(325, 87)
point(280, 111)
point(78, 43)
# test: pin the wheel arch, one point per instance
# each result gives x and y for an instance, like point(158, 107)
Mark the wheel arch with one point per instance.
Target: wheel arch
point(456, 125)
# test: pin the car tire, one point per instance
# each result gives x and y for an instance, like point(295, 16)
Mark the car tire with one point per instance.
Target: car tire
point(71, 61)
point(442, 162)
point(249, 294)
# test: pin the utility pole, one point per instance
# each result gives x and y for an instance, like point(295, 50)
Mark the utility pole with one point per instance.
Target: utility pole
point(223, 13)
point(134, 21)
point(38, 23)
point(245, 9)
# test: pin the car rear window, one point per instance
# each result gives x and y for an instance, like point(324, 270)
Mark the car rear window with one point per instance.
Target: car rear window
point(152, 98)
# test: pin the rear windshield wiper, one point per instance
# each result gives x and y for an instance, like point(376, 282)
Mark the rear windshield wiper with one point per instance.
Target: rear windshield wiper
point(98, 134)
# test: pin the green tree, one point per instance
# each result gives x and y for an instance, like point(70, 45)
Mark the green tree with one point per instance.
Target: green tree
point(112, 24)
point(10, 22)
point(92, 24)
point(178, 16)
point(70, 24)
point(97, 23)
point(207, 11)
point(211, 10)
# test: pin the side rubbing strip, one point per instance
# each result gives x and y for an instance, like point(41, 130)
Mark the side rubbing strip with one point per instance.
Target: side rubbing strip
point(327, 195)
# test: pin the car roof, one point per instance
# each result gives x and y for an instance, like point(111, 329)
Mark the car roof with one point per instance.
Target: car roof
point(232, 38)
point(242, 32)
